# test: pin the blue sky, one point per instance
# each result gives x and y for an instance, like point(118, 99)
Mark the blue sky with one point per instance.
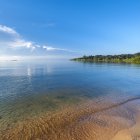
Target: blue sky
point(69, 27)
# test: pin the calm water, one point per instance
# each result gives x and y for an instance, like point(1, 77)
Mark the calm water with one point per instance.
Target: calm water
point(31, 88)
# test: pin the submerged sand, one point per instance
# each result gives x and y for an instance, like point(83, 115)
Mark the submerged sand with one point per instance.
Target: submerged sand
point(132, 133)
point(93, 120)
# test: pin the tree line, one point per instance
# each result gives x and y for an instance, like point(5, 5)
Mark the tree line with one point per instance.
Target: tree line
point(122, 58)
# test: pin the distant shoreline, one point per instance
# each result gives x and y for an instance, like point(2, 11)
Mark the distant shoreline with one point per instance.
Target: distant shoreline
point(122, 58)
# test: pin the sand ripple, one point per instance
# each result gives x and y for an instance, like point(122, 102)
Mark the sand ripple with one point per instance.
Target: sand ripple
point(89, 121)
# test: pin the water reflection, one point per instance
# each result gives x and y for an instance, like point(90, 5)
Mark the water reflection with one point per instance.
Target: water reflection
point(29, 72)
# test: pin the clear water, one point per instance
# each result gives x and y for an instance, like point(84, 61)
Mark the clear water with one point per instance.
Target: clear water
point(30, 88)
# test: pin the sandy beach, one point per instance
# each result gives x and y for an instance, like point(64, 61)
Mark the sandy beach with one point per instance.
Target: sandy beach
point(132, 133)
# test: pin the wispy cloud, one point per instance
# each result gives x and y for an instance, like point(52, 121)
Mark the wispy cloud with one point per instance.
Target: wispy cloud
point(45, 24)
point(8, 30)
point(19, 42)
point(24, 44)
point(49, 48)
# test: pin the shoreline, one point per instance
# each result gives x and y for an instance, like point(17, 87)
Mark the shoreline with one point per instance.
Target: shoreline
point(121, 58)
point(132, 133)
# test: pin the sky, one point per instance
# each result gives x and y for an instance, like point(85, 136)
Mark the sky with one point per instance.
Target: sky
point(69, 28)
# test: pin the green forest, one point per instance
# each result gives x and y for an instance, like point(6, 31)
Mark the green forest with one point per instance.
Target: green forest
point(122, 58)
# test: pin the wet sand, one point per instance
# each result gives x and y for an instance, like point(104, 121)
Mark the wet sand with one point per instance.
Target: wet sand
point(132, 133)
point(93, 120)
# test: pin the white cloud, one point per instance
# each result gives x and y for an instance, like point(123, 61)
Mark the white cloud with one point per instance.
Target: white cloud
point(17, 41)
point(8, 30)
point(21, 43)
point(49, 48)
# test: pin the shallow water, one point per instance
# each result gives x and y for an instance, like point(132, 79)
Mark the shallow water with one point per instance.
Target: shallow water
point(42, 88)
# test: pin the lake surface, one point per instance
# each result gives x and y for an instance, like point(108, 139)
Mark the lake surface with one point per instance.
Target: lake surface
point(28, 89)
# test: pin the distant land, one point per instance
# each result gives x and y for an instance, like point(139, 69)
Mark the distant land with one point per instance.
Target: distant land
point(122, 58)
